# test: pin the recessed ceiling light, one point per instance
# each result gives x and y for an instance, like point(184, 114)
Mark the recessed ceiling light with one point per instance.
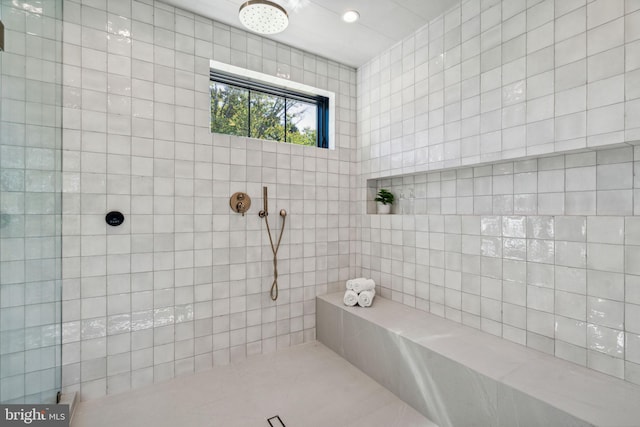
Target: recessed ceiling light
point(350, 16)
point(263, 17)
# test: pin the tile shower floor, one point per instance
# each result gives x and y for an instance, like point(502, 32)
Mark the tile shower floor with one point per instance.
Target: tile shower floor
point(306, 385)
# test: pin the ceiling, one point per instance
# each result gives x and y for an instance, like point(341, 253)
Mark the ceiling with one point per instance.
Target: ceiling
point(316, 26)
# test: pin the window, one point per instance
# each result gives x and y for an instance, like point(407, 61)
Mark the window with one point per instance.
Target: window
point(244, 107)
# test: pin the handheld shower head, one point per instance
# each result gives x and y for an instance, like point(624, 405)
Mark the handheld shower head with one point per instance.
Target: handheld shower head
point(265, 200)
point(265, 197)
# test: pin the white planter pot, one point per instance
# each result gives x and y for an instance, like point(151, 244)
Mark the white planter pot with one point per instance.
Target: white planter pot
point(384, 209)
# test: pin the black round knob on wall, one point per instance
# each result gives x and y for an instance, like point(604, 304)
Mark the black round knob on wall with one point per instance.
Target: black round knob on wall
point(114, 218)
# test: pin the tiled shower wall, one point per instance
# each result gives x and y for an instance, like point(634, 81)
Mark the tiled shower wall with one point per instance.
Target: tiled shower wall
point(493, 80)
point(540, 251)
point(184, 283)
point(30, 169)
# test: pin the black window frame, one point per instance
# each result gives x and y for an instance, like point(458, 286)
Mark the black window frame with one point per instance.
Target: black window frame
point(321, 102)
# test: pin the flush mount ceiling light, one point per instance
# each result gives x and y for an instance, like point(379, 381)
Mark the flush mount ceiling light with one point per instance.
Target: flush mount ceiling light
point(263, 17)
point(350, 16)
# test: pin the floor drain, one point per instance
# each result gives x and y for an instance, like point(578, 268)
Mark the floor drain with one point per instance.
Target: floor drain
point(275, 421)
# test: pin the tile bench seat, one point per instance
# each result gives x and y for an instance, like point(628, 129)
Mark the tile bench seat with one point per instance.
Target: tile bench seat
point(458, 376)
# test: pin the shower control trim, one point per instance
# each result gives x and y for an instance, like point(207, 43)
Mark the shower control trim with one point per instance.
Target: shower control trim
point(114, 218)
point(240, 202)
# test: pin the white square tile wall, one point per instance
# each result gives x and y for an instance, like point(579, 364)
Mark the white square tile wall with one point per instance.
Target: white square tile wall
point(539, 251)
point(543, 269)
point(183, 284)
point(495, 80)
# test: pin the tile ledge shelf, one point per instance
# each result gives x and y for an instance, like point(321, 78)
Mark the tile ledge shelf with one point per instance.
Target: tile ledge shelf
point(373, 182)
point(446, 166)
point(451, 373)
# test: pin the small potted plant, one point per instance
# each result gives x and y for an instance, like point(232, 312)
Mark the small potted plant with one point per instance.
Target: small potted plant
point(385, 200)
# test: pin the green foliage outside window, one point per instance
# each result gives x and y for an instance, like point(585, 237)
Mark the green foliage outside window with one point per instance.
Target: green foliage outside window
point(229, 110)
point(245, 112)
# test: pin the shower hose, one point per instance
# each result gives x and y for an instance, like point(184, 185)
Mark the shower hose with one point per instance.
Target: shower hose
point(274, 248)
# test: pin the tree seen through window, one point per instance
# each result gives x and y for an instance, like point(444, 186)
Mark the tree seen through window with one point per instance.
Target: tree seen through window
point(246, 112)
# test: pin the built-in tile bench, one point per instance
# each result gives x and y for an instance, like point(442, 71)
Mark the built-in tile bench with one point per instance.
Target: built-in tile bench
point(461, 377)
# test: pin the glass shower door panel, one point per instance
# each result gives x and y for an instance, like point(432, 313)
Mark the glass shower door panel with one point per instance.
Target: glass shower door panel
point(30, 201)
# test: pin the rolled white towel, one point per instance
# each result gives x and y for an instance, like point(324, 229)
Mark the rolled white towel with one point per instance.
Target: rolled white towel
point(365, 298)
point(350, 298)
point(352, 282)
point(364, 285)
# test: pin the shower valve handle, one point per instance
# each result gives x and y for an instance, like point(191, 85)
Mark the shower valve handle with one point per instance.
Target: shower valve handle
point(240, 208)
